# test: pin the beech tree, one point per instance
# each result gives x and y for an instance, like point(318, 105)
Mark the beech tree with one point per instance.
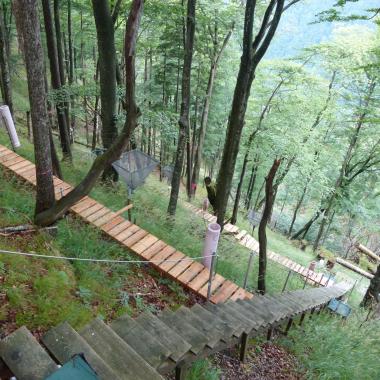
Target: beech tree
point(183, 122)
point(28, 27)
point(253, 52)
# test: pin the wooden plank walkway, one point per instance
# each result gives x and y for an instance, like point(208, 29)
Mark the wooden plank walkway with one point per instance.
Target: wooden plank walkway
point(151, 346)
point(189, 273)
point(248, 241)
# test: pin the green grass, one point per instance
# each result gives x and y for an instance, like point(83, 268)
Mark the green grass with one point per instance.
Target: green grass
point(330, 348)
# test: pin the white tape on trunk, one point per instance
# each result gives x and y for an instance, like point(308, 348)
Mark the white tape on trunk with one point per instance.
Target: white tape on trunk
point(9, 124)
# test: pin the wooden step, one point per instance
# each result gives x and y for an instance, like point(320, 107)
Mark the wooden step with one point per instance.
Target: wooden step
point(122, 359)
point(256, 319)
point(227, 317)
point(136, 336)
point(224, 292)
point(211, 332)
point(228, 329)
point(191, 334)
point(216, 283)
point(64, 342)
point(248, 323)
point(164, 334)
point(265, 316)
point(25, 357)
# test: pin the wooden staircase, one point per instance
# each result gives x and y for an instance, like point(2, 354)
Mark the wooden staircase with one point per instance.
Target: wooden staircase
point(150, 346)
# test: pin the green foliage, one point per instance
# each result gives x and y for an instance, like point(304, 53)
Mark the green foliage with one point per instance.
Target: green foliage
point(332, 348)
point(202, 370)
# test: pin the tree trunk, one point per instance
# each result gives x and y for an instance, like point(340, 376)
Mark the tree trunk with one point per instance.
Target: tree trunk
point(298, 206)
point(305, 229)
point(107, 71)
point(28, 26)
point(253, 52)
point(269, 200)
point(238, 190)
point(6, 87)
point(251, 185)
point(132, 113)
point(206, 106)
point(56, 79)
point(183, 122)
point(372, 296)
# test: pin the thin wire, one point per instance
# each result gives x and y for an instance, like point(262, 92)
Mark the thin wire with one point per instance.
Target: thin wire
point(41, 256)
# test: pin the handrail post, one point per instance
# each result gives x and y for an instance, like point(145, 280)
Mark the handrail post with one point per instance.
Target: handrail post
point(248, 269)
point(286, 281)
point(307, 277)
point(211, 276)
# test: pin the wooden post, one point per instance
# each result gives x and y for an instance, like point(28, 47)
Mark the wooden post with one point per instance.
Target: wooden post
point(269, 333)
point(243, 346)
point(180, 373)
point(307, 277)
point(288, 326)
point(312, 312)
point(302, 318)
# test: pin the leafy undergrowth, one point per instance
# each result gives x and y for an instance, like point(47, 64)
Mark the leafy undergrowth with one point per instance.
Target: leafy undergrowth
point(330, 348)
point(41, 293)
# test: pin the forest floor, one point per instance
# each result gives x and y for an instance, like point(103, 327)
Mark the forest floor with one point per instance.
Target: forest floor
point(42, 294)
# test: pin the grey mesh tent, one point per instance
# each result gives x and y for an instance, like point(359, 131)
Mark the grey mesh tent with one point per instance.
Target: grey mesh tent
point(134, 166)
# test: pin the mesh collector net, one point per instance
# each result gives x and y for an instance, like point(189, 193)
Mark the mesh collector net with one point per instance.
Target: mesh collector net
point(134, 166)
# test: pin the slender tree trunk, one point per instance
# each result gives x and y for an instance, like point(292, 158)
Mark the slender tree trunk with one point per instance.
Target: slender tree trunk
point(185, 107)
point(56, 79)
point(269, 201)
point(206, 106)
point(328, 227)
point(238, 190)
point(6, 87)
point(253, 52)
point(29, 27)
point(107, 71)
point(372, 296)
point(298, 206)
point(251, 185)
point(305, 229)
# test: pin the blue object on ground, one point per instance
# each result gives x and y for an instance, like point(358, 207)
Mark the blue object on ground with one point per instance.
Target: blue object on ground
point(339, 307)
point(76, 369)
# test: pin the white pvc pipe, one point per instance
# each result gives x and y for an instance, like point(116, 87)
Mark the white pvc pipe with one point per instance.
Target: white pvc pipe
point(211, 243)
point(9, 124)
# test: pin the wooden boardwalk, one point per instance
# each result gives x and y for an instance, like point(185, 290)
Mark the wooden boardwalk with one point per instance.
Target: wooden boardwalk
point(153, 345)
point(248, 241)
point(171, 262)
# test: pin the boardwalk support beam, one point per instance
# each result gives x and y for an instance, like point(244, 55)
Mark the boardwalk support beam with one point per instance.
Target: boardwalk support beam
point(243, 346)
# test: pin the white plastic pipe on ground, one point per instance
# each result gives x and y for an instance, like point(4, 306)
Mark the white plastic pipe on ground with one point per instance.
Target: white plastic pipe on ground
point(5, 114)
point(211, 243)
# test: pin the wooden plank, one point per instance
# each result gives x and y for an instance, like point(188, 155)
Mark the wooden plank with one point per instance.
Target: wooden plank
point(112, 224)
point(145, 344)
point(217, 281)
point(103, 211)
point(7, 156)
point(25, 357)
point(90, 210)
point(190, 272)
point(82, 205)
point(123, 235)
point(201, 279)
point(64, 342)
point(122, 359)
point(239, 294)
point(104, 219)
point(135, 238)
point(14, 161)
point(162, 255)
point(172, 261)
point(19, 165)
point(224, 292)
point(180, 268)
point(153, 249)
point(119, 228)
point(26, 169)
point(164, 334)
point(144, 243)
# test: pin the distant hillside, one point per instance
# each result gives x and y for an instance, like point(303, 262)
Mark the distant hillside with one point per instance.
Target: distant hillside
point(296, 30)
